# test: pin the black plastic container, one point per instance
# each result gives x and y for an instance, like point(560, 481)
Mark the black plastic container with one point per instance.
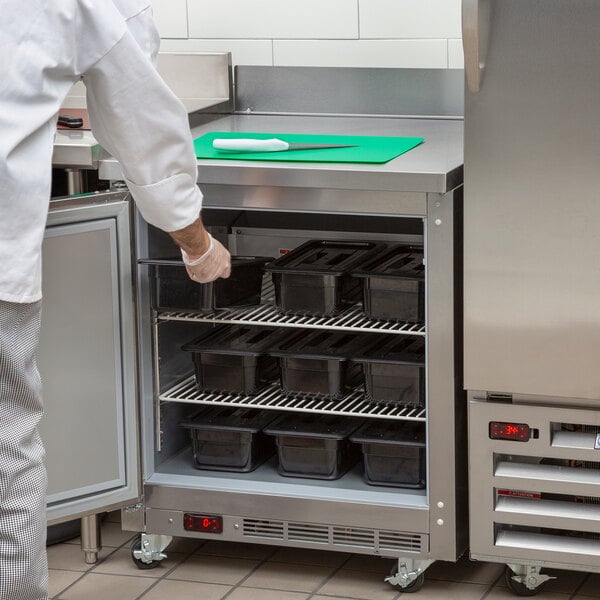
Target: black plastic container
point(225, 438)
point(314, 446)
point(394, 371)
point(393, 453)
point(394, 285)
point(233, 359)
point(172, 289)
point(316, 363)
point(314, 279)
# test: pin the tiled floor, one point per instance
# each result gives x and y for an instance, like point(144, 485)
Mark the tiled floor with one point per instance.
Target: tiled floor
point(211, 570)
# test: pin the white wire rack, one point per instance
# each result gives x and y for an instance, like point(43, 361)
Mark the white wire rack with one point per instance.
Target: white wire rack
point(350, 320)
point(354, 404)
point(266, 313)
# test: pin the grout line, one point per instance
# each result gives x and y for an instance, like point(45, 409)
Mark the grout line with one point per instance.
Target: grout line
point(331, 576)
point(84, 573)
point(581, 584)
point(260, 564)
point(69, 586)
point(492, 586)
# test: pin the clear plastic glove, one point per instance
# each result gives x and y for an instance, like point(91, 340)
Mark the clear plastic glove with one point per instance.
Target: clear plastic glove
point(214, 263)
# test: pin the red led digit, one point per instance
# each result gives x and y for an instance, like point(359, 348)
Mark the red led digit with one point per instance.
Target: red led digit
point(517, 432)
point(203, 523)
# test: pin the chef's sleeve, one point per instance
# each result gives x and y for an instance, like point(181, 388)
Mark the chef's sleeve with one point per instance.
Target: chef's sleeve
point(136, 118)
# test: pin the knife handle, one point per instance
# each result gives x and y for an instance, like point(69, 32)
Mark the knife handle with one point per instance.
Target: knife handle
point(69, 121)
point(249, 145)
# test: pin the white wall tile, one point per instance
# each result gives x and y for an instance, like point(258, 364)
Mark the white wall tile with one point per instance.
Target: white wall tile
point(171, 18)
point(410, 18)
point(243, 19)
point(424, 54)
point(456, 59)
point(243, 52)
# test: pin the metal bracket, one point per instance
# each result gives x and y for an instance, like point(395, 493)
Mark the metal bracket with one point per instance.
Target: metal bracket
point(151, 548)
point(408, 571)
point(528, 575)
point(133, 517)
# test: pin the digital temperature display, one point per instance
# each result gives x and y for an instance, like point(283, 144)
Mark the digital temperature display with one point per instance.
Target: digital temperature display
point(203, 523)
point(516, 432)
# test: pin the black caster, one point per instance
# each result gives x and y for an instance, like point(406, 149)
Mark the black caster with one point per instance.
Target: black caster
point(412, 587)
point(136, 546)
point(520, 589)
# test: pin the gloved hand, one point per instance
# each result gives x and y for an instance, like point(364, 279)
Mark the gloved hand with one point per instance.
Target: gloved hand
point(214, 263)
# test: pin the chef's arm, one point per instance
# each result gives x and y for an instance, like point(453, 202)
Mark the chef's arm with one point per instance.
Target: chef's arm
point(136, 117)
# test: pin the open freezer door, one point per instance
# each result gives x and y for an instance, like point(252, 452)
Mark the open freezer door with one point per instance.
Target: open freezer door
point(87, 357)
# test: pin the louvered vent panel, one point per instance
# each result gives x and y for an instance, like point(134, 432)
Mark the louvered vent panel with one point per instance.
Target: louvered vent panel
point(406, 542)
point(351, 536)
point(304, 532)
point(261, 528)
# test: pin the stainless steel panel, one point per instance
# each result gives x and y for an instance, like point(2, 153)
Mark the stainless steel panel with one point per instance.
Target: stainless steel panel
point(532, 149)
point(200, 79)
point(87, 357)
point(297, 534)
point(446, 406)
point(314, 200)
point(77, 149)
point(80, 360)
point(252, 241)
point(425, 92)
point(548, 563)
point(476, 22)
point(171, 494)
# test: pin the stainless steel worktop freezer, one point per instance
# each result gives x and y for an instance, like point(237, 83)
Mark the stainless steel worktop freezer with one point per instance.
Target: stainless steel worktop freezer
point(532, 283)
point(257, 208)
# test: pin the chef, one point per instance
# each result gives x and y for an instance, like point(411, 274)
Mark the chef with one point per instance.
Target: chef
point(46, 47)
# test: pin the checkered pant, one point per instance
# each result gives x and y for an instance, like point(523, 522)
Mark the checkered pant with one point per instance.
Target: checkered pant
point(23, 568)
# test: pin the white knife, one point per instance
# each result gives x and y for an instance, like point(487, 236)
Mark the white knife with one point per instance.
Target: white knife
point(271, 145)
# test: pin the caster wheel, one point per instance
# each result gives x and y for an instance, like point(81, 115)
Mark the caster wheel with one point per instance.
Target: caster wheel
point(413, 586)
point(140, 564)
point(520, 589)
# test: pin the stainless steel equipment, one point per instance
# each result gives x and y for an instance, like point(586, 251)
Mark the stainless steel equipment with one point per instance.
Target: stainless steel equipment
point(86, 360)
point(259, 208)
point(532, 282)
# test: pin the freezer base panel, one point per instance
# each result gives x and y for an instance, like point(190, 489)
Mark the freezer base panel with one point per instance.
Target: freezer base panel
point(544, 564)
point(296, 533)
point(264, 507)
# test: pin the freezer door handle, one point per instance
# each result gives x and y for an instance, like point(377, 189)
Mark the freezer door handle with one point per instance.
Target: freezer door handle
point(476, 22)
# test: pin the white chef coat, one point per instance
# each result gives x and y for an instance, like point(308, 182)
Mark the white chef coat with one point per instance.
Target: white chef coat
point(45, 48)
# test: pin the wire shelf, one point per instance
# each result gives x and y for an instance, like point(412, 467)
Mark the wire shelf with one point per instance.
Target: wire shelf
point(354, 404)
point(350, 320)
point(267, 314)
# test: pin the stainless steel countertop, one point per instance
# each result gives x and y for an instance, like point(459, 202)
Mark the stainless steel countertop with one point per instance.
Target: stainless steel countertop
point(434, 166)
point(76, 148)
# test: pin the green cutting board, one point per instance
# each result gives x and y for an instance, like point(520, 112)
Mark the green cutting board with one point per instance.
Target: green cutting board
point(368, 149)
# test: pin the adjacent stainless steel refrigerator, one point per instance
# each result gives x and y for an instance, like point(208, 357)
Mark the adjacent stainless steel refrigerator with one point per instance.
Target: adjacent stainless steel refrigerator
point(532, 284)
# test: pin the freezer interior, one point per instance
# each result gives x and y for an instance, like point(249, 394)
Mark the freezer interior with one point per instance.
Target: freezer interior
point(344, 513)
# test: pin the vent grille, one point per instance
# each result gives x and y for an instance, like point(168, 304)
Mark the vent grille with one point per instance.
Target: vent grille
point(370, 540)
point(263, 529)
point(303, 532)
point(354, 404)
point(352, 536)
point(406, 542)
